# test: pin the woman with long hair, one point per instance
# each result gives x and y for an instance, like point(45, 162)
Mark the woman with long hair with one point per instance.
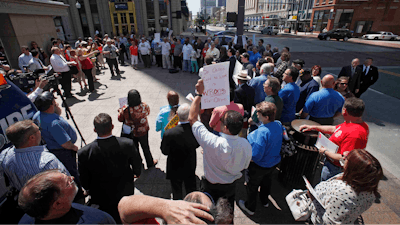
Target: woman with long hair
point(167, 112)
point(316, 74)
point(135, 115)
point(79, 76)
point(87, 66)
point(347, 195)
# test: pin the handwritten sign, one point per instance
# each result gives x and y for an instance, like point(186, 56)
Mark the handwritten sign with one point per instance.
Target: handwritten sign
point(216, 84)
point(123, 101)
point(173, 123)
point(157, 37)
point(169, 34)
point(236, 71)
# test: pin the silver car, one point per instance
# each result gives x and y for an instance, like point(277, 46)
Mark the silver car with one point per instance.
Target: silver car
point(270, 30)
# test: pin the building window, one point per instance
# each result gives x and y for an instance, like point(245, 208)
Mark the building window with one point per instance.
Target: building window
point(131, 19)
point(123, 18)
point(115, 18)
point(95, 18)
point(84, 20)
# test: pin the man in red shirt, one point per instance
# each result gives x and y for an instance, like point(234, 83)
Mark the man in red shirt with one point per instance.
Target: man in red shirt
point(219, 112)
point(352, 134)
point(134, 54)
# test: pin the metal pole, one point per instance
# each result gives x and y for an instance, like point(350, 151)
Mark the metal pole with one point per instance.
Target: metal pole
point(239, 21)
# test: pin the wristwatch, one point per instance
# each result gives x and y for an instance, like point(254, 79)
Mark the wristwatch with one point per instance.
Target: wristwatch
point(197, 94)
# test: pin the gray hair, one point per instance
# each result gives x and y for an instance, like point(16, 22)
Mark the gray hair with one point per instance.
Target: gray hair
point(183, 112)
point(267, 68)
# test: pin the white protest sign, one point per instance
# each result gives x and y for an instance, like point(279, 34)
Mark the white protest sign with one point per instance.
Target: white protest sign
point(157, 37)
point(125, 128)
point(123, 101)
point(238, 68)
point(216, 85)
point(169, 34)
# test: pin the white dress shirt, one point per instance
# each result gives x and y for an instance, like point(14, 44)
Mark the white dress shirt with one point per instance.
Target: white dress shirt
point(186, 50)
point(23, 60)
point(224, 157)
point(165, 47)
point(365, 69)
point(58, 63)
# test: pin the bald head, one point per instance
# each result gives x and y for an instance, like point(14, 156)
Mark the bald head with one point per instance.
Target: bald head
point(328, 81)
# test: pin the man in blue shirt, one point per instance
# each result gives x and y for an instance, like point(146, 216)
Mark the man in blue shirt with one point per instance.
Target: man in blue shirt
point(323, 105)
point(266, 144)
point(307, 86)
point(290, 95)
point(58, 134)
point(165, 115)
point(258, 82)
point(254, 56)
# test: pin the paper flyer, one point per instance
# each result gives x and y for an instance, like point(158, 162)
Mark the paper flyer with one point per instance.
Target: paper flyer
point(325, 142)
point(312, 191)
point(190, 97)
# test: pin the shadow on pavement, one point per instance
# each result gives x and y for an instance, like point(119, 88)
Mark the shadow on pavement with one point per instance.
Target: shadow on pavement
point(152, 182)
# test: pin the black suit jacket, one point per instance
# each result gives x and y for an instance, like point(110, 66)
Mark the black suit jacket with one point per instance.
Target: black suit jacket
point(353, 82)
point(245, 95)
point(105, 169)
point(232, 63)
point(179, 144)
point(365, 81)
point(276, 57)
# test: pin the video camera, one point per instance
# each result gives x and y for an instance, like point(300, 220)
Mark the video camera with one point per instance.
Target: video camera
point(26, 81)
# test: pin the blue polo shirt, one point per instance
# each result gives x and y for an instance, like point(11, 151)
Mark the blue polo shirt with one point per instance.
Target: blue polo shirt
point(306, 89)
point(324, 103)
point(55, 130)
point(257, 83)
point(254, 57)
point(266, 144)
point(290, 94)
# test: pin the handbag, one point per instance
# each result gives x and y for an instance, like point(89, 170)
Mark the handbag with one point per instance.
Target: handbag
point(299, 204)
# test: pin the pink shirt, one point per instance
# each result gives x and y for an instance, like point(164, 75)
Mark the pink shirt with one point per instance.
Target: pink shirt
point(218, 112)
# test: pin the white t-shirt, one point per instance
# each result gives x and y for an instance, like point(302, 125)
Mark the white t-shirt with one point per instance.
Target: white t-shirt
point(165, 47)
point(144, 48)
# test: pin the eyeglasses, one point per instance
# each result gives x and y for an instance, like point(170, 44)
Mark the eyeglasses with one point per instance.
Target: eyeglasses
point(70, 181)
point(343, 83)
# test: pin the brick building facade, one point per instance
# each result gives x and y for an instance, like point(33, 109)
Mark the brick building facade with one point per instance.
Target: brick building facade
point(359, 16)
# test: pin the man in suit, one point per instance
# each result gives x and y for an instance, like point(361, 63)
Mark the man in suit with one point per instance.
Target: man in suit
point(367, 76)
point(232, 64)
point(349, 71)
point(108, 166)
point(179, 144)
point(244, 95)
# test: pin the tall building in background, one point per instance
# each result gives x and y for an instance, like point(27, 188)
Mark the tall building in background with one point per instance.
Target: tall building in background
point(123, 17)
point(221, 3)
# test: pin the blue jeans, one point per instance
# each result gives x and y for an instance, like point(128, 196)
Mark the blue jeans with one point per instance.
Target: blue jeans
point(329, 170)
point(186, 65)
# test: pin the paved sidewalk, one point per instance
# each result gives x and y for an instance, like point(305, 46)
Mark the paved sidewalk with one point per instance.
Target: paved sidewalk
point(153, 85)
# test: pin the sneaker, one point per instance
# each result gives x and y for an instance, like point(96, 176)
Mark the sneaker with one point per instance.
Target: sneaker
point(243, 207)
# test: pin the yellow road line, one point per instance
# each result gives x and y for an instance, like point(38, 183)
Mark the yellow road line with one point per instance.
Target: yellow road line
point(389, 72)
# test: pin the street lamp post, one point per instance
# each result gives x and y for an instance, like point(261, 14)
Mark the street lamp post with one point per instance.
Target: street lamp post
point(79, 6)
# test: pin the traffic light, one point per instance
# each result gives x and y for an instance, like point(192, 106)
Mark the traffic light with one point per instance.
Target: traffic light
point(203, 21)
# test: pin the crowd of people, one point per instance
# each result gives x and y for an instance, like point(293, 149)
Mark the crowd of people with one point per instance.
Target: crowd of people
point(244, 137)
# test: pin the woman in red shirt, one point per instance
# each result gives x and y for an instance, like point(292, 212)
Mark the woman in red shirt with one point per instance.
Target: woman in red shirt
point(87, 66)
point(80, 76)
point(134, 55)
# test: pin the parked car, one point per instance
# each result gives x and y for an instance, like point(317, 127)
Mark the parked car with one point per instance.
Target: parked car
point(337, 34)
point(230, 27)
point(252, 27)
point(270, 30)
point(246, 27)
point(380, 35)
point(225, 32)
point(259, 27)
point(227, 38)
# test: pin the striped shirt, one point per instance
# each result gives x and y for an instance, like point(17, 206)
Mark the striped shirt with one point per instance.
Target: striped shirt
point(21, 164)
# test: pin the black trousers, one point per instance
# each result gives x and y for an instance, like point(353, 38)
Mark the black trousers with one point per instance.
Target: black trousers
point(159, 60)
point(144, 142)
point(177, 62)
point(89, 76)
point(66, 82)
point(111, 63)
point(146, 61)
point(258, 177)
point(176, 186)
point(219, 190)
point(121, 57)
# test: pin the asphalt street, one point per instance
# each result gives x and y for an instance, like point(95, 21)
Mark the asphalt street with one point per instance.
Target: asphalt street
point(154, 84)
